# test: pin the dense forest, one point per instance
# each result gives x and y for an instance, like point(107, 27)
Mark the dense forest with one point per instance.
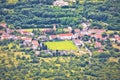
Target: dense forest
point(42, 13)
point(27, 66)
point(21, 62)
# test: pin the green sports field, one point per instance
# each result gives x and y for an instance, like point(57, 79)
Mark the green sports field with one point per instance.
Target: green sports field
point(61, 45)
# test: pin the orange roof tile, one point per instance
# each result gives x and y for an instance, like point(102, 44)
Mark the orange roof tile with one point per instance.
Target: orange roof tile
point(67, 34)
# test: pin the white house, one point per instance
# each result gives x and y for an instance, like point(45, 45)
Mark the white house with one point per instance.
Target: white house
point(60, 3)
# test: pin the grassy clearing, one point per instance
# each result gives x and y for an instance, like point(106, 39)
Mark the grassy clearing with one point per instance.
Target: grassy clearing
point(112, 31)
point(61, 45)
point(115, 46)
point(112, 59)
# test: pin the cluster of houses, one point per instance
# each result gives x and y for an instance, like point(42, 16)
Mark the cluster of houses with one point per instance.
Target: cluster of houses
point(75, 37)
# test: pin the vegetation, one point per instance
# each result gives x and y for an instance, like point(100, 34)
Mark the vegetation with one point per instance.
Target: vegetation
point(42, 14)
point(20, 62)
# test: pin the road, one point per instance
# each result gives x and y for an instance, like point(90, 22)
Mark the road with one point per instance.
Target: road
point(90, 53)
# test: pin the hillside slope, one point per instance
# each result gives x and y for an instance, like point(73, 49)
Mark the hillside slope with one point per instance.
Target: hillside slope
point(41, 13)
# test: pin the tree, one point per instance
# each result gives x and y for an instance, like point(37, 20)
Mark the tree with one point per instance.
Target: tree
point(35, 60)
point(3, 1)
point(46, 1)
point(104, 55)
point(104, 35)
point(80, 27)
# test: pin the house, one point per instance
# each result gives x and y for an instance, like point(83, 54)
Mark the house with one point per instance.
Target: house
point(51, 37)
point(75, 36)
point(60, 3)
point(98, 45)
point(47, 31)
point(84, 33)
point(97, 36)
point(117, 39)
point(65, 36)
point(112, 39)
point(8, 30)
point(2, 32)
point(35, 44)
point(42, 38)
point(85, 25)
point(97, 31)
point(100, 50)
point(6, 36)
point(116, 36)
point(77, 30)
point(37, 53)
point(24, 32)
point(26, 39)
point(80, 35)
point(77, 42)
point(69, 29)
point(3, 25)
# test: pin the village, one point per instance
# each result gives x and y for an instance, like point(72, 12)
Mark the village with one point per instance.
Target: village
point(80, 38)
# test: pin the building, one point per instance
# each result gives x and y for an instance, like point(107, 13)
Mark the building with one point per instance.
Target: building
point(65, 36)
point(6, 36)
point(35, 44)
point(77, 42)
point(51, 37)
point(26, 39)
point(54, 27)
point(98, 45)
point(4, 25)
point(97, 31)
point(60, 3)
point(77, 30)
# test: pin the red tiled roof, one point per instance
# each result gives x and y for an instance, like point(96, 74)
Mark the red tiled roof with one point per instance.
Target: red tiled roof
point(7, 36)
point(35, 42)
point(77, 30)
point(116, 36)
point(97, 43)
point(96, 35)
point(3, 25)
point(53, 36)
point(67, 34)
point(19, 37)
point(97, 30)
point(25, 38)
point(1, 31)
point(100, 50)
point(81, 35)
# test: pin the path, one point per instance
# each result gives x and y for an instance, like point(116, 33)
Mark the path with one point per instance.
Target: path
point(90, 53)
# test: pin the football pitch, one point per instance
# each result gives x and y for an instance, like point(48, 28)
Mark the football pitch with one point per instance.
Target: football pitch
point(61, 45)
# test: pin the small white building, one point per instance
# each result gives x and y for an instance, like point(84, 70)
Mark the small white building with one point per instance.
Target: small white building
point(60, 3)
